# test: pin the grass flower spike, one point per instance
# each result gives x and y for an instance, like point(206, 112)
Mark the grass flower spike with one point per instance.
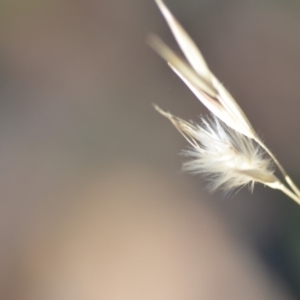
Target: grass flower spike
point(226, 148)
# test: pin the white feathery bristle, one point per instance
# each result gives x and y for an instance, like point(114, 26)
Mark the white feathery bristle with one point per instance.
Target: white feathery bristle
point(230, 159)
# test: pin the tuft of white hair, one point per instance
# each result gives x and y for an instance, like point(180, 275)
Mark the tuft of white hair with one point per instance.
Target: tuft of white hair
point(228, 159)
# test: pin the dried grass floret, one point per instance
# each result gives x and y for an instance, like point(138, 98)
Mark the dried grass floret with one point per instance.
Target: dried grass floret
point(228, 158)
point(226, 148)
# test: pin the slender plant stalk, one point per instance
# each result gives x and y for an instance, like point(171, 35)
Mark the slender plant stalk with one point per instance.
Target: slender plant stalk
point(280, 167)
point(281, 187)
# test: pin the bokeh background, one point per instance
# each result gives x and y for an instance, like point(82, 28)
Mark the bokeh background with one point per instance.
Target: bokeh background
point(93, 204)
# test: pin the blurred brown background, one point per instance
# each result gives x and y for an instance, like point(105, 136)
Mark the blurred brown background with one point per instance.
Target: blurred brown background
point(93, 203)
